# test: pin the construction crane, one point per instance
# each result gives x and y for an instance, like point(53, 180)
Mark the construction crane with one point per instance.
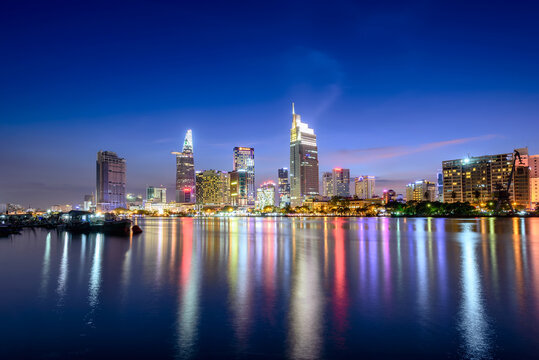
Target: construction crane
point(503, 194)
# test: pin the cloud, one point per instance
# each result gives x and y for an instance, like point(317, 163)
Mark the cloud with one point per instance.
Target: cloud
point(360, 156)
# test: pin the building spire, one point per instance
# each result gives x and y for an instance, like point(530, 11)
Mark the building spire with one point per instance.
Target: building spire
point(293, 112)
point(188, 142)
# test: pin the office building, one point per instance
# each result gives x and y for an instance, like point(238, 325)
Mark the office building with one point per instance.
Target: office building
point(364, 187)
point(440, 186)
point(88, 203)
point(341, 182)
point(478, 179)
point(244, 161)
point(421, 190)
point(284, 187)
point(533, 162)
point(133, 200)
point(239, 188)
point(212, 188)
point(303, 161)
point(265, 195)
point(327, 184)
point(336, 183)
point(388, 196)
point(156, 194)
point(185, 171)
point(110, 181)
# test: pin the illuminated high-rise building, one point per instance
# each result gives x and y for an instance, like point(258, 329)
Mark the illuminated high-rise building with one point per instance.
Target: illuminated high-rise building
point(327, 184)
point(284, 187)
point(110, 181)
point(185, 171)
point(212, 188)
point(238, 188)
point(244, 161)
point(533, 162)
point(336, 183)
point(265, 195)
point(303, 161)
point(341, 182)
point(364, 186)
point(440, 186)
point(479, 178)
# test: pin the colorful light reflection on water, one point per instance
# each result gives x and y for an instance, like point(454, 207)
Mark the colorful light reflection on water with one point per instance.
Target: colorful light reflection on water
point(264, 287)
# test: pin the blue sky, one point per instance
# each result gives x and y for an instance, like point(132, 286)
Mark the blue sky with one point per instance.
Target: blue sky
point(390, 88)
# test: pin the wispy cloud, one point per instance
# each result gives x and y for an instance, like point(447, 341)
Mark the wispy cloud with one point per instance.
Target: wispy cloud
point(359, 156)
point(167, 140)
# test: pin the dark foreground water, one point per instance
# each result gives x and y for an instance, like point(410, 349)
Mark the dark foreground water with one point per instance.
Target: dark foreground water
point(274, 288)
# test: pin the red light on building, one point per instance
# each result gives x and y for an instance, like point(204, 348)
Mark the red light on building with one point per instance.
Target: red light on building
point(338, 169)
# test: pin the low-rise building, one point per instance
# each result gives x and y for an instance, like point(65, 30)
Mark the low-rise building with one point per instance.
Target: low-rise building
point(265, 195)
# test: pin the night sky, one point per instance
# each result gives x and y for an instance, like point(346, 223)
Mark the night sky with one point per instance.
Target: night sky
point(390, 88)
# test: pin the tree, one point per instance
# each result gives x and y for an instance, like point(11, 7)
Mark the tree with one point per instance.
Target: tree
point(476, 194)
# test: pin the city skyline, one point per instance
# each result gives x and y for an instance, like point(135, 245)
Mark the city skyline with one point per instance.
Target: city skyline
point(68, 93)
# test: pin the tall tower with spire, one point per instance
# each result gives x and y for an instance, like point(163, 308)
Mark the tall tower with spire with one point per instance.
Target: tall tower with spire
point(303, 161)
point(185, 171)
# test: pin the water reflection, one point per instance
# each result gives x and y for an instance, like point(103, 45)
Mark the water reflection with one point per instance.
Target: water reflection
point(95, 274)
point(46, 267)
point(473, 319)
point(296, 288)
point(306, 301)
point(62, 278)
point(188, 311)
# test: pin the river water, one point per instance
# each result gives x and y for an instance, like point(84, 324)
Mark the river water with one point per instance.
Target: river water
point(275, 288)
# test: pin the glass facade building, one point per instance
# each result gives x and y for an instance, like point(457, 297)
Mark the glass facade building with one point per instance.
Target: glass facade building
point(244, 161)
point(284, 187)
point(303, 161)
point(110, 181)
point(185, 171)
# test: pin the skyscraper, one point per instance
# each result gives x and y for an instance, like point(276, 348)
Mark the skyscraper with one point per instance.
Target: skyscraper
point(238, 188)
point(185, 171)
point(364, 186)
point(244, 161)
point(303, 161)
point(336, 183)
point(284, 187)
point(110, 181)
point(341, 182)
